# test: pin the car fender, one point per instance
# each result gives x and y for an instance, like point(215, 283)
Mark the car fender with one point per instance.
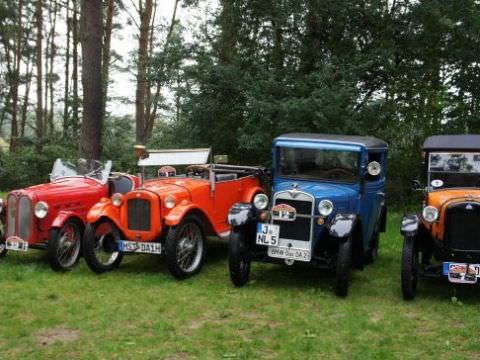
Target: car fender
point(249, 195)
point(342, 225)
point(64, 215)
point(176, 215)
point(104, 208)
point(410, 225)
point(241, 214)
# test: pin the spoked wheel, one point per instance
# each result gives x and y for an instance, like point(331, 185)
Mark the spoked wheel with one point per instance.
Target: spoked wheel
point(64, 246)
point(185, 248)
point(344, 262)
point(409, 268)
point(239, 259)
point(100, 245)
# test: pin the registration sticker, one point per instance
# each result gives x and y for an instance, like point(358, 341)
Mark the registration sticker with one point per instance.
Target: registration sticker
point(267, 234)
point(139, 247)
point(461, 273)
point(15, 243)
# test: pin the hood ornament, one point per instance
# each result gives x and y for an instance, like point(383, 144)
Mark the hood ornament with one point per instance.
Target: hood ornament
point(293, 193)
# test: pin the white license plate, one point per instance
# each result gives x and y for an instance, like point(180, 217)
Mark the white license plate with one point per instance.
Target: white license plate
point(16, 244)
point(457, 272)
point(268, 234)
point(289, 253)
point(139, 247)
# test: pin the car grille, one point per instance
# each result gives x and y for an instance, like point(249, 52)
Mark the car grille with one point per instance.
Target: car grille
point(139, 214)
point(462, 226)
point(11, 213)
point(24, 213)
point(300, 228)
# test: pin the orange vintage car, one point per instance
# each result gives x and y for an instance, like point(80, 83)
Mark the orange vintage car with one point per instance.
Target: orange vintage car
point(171, 214)
point(444, 239)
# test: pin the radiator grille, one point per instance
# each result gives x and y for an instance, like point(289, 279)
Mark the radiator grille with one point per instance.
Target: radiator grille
point(139, 214)
point(300, 228)
point(11, 214)
point(463, 226)
point(24, 213)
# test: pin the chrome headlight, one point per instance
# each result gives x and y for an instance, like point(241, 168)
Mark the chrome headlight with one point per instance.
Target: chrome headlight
point(430, 214)
point(170, 202)
point(41, 210)
point(117, 199)
point(325, 207)
point(260, 201)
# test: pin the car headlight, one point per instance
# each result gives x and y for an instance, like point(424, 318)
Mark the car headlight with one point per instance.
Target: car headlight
point(325, 207)
point(170, 202)
point(117, 199)
point(430, 214)
point(41, 210)
point(260, 201)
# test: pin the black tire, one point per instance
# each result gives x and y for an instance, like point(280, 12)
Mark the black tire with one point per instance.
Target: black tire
point(64, 246)
point(3, 251)
point(100, 246)
point(186, 240)
point(344, 264)
point(372, 254)
point(239, 260)
point(409, 268)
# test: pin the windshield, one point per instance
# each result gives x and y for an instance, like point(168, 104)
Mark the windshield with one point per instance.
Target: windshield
point(447, 170)
point(90, 168)
point(319, 164)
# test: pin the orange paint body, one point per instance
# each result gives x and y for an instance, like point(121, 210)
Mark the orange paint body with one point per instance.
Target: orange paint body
point(189, 194)
point(441, 199)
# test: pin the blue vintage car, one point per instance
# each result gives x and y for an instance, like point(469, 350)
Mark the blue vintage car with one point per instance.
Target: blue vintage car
point(327, 208)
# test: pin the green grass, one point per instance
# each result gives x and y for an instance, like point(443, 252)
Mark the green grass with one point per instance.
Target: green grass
point(141, 312)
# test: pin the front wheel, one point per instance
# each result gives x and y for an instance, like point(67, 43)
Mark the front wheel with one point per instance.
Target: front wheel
point(409, 268)
point(185, 248)
point(344, 262)
point(63, 248)
point(100, 246)
point(239, 260)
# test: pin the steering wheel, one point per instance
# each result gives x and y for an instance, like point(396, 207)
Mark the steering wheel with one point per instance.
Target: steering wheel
point(196, 170)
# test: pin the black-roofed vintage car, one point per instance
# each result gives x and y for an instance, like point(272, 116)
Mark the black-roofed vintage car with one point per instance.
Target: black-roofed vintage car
point(443, 240)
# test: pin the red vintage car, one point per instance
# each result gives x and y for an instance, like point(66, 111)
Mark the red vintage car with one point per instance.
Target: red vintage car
point(52, 216)
point(171, 214)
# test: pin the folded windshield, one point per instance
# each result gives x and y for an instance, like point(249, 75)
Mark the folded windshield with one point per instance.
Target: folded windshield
point(446, 169)
point(319, 164)
point(94, 169)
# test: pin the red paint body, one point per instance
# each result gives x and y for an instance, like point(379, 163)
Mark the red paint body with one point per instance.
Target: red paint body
point(67, 198)
point(190, 194)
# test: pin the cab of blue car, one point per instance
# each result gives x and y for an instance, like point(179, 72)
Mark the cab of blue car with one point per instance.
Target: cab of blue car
point(326, 208)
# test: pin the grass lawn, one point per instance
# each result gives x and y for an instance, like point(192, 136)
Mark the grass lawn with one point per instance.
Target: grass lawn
point(141, 312)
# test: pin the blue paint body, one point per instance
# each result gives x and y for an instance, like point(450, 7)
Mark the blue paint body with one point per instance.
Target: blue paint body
point(362, 198)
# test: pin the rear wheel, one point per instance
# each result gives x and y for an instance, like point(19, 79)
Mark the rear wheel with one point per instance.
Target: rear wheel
point(344, 262)
point(63, 248)
point(239, 260)
point(100, 246)
point(409, 268)
point(185, 248)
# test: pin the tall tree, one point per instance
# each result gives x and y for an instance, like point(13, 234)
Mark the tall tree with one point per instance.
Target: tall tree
point(67, 70)
point(39, 110)
point(107, 40)
point(16, 80)
point(92, 32)
point(145, 10)
point(75, 60)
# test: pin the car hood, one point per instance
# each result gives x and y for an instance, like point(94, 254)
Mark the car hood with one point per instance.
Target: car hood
point(67, 187)
point(175, 186)
point(339, 194)
point(441, 198)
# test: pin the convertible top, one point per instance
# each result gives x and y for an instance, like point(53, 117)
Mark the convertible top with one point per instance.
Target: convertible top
point(367, 141)
point(452, 142)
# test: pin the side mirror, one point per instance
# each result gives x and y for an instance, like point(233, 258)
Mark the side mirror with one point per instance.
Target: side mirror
point(416, 185)
point(220, 159)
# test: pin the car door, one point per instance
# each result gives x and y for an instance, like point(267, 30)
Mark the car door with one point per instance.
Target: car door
point(228, 190)
point(373, 196)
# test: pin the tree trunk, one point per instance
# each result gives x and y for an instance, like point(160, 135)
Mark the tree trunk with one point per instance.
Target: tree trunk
point(67, 72)
point(75, 100)
point(16, 80)
point(25, 98)
point(53, 53)
point(39, 110)
point(145, 16)
point(106, 53)
point(92, 31)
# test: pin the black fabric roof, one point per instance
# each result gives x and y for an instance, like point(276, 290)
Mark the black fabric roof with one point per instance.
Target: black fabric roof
point(368, 141)
point(452, 142)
